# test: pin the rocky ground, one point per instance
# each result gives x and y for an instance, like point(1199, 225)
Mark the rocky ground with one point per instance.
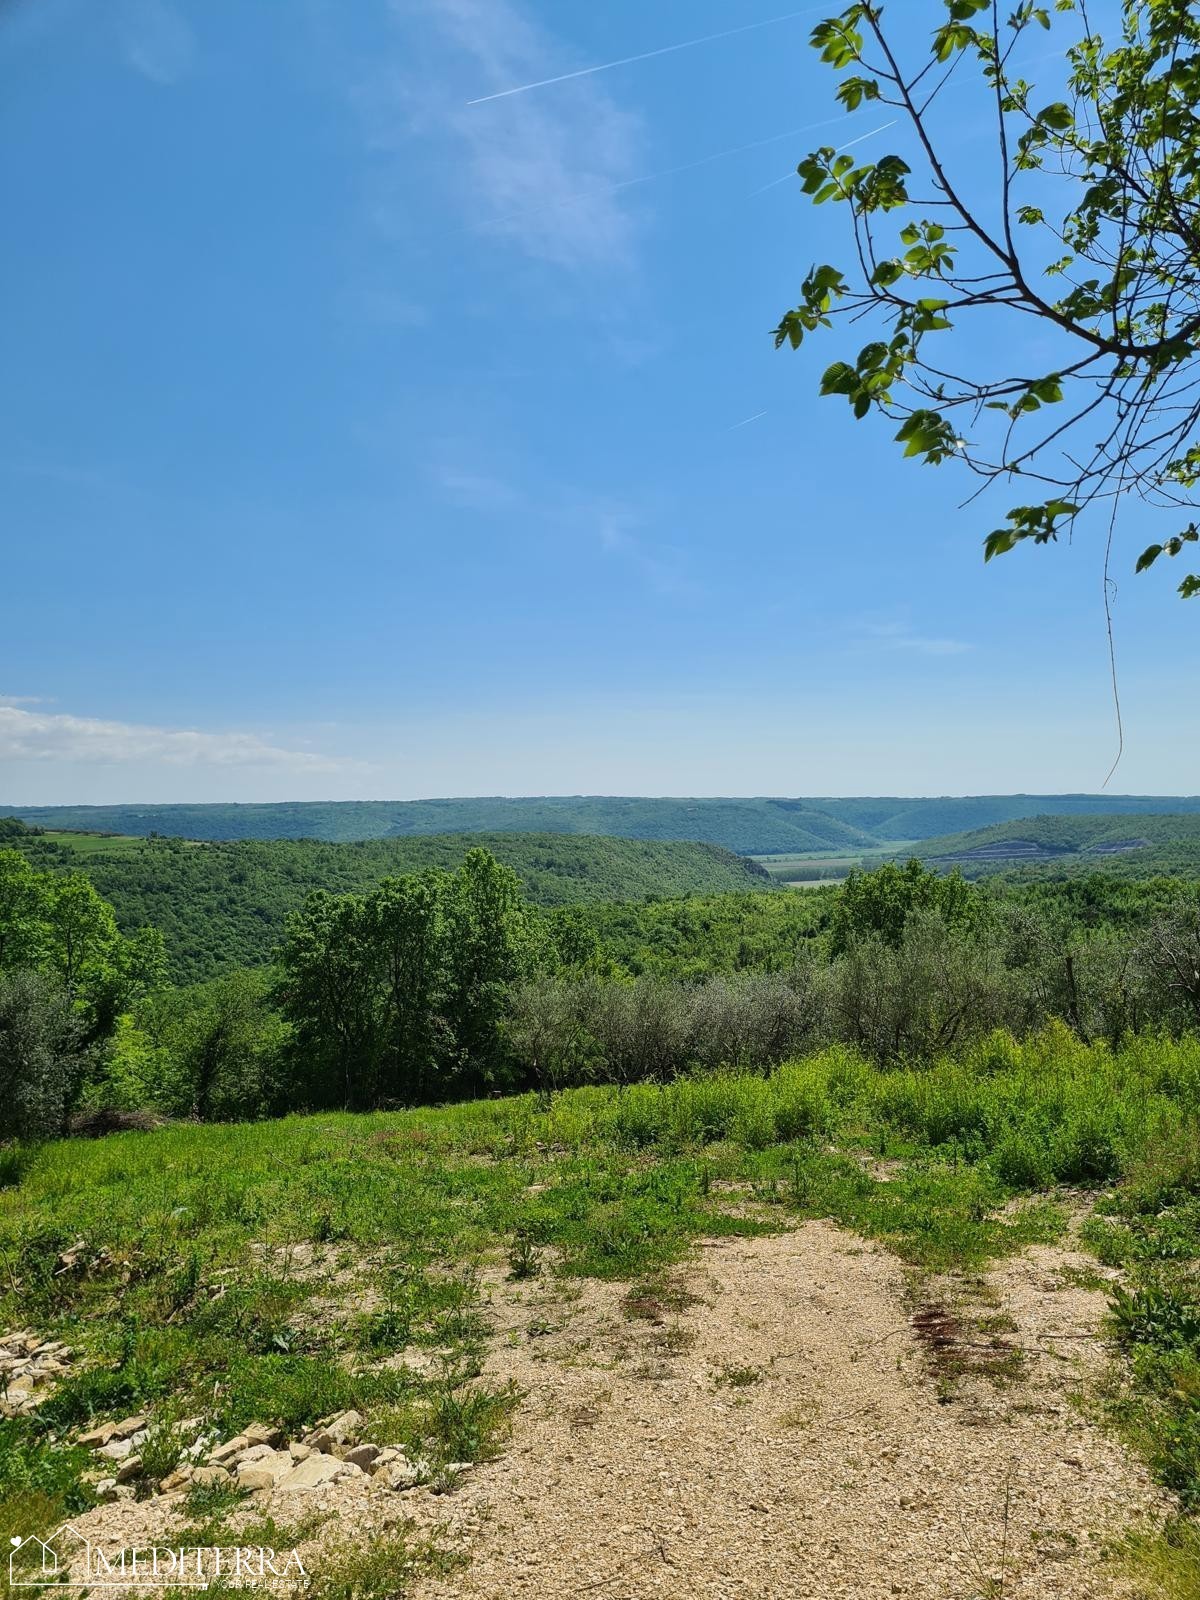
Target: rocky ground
point(798, 1431)
point(780, 1418)
point(29, 1368)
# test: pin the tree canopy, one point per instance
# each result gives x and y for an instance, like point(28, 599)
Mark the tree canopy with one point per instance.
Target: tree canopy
point(1087, 231)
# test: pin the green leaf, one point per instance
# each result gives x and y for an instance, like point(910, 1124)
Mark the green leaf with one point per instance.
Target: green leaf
point(1057, 116)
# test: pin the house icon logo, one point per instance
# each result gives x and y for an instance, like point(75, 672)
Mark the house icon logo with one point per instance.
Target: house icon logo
point(34, 1562)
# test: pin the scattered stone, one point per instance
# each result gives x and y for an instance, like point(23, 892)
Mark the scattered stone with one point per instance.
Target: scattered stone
point(406, 1474)
point(130, 1426)
point(28, 1363)
point(176, 1480)
point(312, 1472)
point(264, 1433)
point(321, 1440)
point(95, 1437)
point(265, 1471)
point(363, 1455)
point(106, 1489)
point(344, 1427)
point(116, 1449)
point(209, 1476)
point(225, 1453)
point(129, 1469)
point(298, 1451)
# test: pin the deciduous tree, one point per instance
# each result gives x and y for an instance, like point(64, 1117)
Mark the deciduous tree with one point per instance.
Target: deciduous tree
point(1078, 250)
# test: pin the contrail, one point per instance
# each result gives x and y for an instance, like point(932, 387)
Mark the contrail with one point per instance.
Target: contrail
point(746, 420)
point(775, 182)
point(646, 55)
point(667, 172)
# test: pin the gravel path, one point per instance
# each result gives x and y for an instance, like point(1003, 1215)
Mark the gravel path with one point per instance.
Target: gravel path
point(787, 1437)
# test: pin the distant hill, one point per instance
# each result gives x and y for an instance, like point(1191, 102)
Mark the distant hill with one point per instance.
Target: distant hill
point(751, 827)
point(1132, 845)
point(223, 904)
point(930, 818)
point(763, 826)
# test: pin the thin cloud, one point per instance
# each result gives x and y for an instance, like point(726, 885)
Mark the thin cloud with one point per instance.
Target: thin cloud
point(645, 55)
point(669, 172)
point(475, 491)
point(899, 636)
point(155, 40)
point(661, 568)
point(511, 168)
point(53, 736)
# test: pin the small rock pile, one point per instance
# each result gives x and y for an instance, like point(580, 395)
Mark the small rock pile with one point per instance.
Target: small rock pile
point(261, 1459)
point(29, 1367)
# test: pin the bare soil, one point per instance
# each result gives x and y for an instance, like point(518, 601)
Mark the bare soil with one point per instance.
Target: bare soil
point(791, 1435)
point(783, 1418)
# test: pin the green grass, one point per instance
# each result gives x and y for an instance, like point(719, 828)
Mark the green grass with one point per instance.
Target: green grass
point(92, 844)
point(264, 1272)
point(824, 866)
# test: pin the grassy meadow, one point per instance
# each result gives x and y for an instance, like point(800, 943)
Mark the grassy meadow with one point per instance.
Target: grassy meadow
point(92, 844)
point(268, 1271)
point(824, 866)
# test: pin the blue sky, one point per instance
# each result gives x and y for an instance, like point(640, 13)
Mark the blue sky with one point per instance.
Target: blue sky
point(359, 441)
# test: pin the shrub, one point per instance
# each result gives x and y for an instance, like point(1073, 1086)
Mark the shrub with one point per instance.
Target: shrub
point(1084, 1150)
point(41, 1061)
point(1022, 1163)
point(1166, 1168)
point(935, 991)
point(1163, 1316)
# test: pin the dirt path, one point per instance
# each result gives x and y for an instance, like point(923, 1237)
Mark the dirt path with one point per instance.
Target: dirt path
point(788, 1436)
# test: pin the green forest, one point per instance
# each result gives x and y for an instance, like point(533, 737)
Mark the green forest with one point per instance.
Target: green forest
point(233, 980)
point(224, 905)
point(762, 826)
